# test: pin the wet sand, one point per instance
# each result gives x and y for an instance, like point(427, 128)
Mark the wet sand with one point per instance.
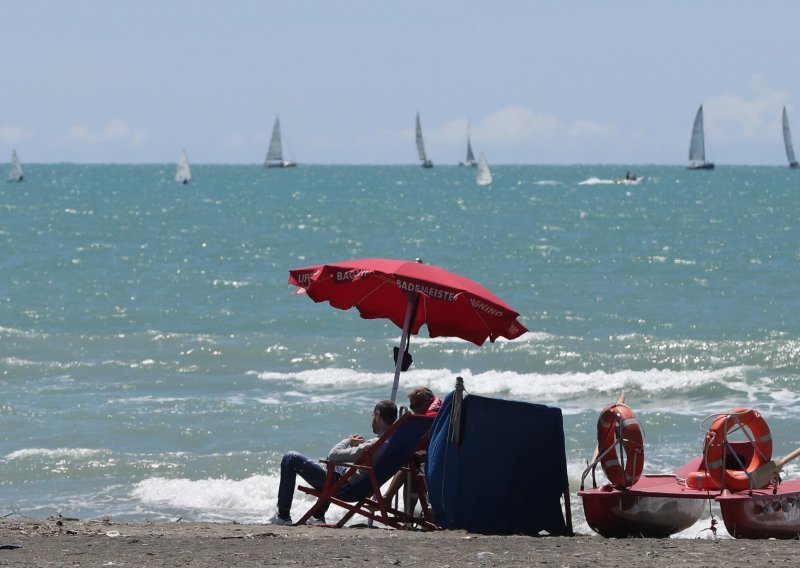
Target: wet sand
point(57, 542)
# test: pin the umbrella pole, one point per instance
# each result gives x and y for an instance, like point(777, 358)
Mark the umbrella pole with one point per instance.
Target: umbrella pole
point(403, 343)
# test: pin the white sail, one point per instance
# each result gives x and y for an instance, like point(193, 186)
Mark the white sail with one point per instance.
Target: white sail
point(15, 171)
point(275, 153)
point(787, 141)
point(484, 174)
point(426, 163)
point(183, 174)
point(697, 146)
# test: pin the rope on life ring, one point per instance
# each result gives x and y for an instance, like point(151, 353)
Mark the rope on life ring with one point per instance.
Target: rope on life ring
point(716, 444)
point(621, 443)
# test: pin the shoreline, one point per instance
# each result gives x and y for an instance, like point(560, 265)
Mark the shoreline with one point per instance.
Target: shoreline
point(106, 542)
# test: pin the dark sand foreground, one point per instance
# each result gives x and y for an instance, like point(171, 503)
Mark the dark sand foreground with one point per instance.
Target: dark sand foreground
point(55, 542)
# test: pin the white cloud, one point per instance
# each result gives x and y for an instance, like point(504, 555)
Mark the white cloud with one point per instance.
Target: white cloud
point(732, 118)
point(14, 134)
point(519, 124)
point(115, 130)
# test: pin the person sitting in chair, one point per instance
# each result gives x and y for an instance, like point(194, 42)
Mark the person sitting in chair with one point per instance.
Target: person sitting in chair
point(348, 450)
point(421, 400)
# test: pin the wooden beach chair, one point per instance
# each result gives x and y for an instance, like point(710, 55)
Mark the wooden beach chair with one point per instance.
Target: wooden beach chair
point(361, 494)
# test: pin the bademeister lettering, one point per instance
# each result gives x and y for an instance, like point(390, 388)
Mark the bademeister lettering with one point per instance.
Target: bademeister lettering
point(430, 291)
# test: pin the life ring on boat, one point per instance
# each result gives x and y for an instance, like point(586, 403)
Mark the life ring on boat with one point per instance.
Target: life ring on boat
point(620, 442)
point(716, 445)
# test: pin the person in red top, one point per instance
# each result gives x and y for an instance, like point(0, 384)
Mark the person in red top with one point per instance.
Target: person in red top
point(421, 400)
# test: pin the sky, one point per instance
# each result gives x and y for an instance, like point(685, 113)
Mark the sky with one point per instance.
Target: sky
point(538, 82)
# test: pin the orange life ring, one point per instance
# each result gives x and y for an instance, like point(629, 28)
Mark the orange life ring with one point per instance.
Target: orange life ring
point(716, 443)
point(620, 442)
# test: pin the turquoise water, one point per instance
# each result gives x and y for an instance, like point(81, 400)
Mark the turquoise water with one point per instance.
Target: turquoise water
point(155, 363)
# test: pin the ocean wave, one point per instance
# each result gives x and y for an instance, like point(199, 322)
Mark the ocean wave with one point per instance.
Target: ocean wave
point(553, 388)
point(596, 181)
point(248, 500)
point(56, 453)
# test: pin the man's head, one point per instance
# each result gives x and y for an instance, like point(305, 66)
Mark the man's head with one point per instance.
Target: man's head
point(383, 416)
point(420, 399)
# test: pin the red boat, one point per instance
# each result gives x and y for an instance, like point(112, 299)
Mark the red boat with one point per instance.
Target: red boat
point(763, 513)
point(656, 506)
point(635, 505)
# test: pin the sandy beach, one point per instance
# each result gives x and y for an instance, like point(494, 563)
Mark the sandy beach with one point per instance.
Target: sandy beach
point(57, 542)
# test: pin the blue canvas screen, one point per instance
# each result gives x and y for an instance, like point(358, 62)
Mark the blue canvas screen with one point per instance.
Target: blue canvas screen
point(509, 472)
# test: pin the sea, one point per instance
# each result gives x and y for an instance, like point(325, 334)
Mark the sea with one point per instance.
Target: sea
point(155, 363)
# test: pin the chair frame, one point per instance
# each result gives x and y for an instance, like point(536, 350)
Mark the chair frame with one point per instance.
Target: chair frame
point(372, 506)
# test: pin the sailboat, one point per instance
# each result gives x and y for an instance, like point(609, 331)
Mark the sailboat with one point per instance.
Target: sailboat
point(183, 174)
point(484, 174)
point(275, 152)
point(787, 141)
point(470, 161)
point(426, 163)
point(697, 147)
point(15, 171)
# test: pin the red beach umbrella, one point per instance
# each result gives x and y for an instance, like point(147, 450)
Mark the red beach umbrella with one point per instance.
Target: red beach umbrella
point(411, 294)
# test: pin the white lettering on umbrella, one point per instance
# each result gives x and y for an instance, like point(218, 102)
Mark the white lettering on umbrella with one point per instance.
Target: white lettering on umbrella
point(484, 307)
point(342, 276)
point(430, 291)
point(304, 278)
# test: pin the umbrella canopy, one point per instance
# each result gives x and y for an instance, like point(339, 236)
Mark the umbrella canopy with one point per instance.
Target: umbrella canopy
point(411, 294)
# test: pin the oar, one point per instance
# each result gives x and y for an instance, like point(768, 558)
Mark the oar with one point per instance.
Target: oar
point(767, 472)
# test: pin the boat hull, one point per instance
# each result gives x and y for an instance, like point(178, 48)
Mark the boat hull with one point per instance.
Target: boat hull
point(284, 164)
point(640, 513)
point(427, 164)
point(701, 166)
point(763, 514)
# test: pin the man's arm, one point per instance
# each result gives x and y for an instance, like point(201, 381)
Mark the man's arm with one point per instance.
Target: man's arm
point(350, 449)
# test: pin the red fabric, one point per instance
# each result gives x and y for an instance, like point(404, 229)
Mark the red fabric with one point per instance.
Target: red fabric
point(449, 305)
point(434, 406)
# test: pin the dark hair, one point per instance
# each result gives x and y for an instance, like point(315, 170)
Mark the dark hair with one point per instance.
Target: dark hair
point(420, 397)
point(387, 410)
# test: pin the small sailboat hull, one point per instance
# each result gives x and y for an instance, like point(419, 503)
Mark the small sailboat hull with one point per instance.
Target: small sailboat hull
point(701, 166)
point(631, 181)
point(469, 161)
point(15, 172)
point(484, 175)
point(787, 141)
point(183, 174)
point(423, 157)
point(274, 157)
point(766, 513)
point(697, 145)
point(654, 507)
